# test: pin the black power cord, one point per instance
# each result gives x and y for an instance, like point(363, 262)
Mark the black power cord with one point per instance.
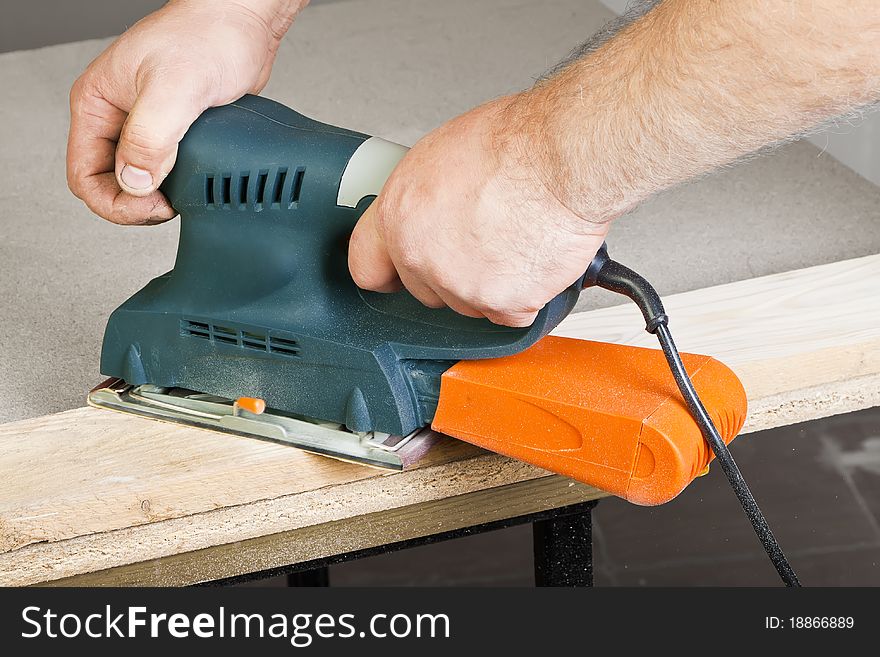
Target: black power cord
point(610, 275)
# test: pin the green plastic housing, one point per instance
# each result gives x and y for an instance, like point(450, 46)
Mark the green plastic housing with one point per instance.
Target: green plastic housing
point(260, 302)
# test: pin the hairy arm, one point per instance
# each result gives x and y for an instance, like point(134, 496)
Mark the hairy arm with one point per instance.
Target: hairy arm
point(695, 84)
point(518, 194)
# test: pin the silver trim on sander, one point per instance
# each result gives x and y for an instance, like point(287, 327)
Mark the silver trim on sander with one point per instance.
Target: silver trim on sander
point(220, 414)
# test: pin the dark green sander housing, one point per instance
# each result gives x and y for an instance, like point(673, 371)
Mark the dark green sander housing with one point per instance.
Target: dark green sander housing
point(260, 302)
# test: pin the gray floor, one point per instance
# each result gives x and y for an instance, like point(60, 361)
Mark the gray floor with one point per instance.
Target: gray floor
point(397, 68)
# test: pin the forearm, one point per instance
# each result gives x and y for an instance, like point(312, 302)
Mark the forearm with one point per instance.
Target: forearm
point(695, 84)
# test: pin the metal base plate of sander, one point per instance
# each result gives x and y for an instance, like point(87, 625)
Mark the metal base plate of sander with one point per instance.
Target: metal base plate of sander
point(205, 411)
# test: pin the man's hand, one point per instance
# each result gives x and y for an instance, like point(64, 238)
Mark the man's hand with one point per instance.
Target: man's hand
point(134, 103)
point(470, 219)
point(499, 210)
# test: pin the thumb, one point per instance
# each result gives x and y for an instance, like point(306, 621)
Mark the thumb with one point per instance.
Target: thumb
point(368, 260)
point(147, 147)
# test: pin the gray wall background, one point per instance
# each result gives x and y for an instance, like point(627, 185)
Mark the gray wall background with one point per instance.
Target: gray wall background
point(37, 23)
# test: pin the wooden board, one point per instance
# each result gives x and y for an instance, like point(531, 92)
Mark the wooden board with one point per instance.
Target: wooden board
point(91, 496)
point(805, 343)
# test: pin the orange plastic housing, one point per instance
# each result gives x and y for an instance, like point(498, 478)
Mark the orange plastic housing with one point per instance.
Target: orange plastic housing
point(607, 415)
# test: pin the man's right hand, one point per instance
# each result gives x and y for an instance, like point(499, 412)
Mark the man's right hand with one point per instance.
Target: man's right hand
point(133, 104)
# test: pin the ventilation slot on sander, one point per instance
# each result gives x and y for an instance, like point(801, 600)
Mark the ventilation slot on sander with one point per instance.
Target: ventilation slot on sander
point(242, 338)
point(273, 189)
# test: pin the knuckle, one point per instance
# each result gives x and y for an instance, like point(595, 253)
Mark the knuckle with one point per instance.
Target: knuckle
point(119, 220)
point(433, 302)
point(410, 259)
point(501, 300)
point(497, 318)
point(76, 90)
point(75, 187)
point(385, 211)
point(486, 299)
point(74, 181)
point(84, 88)
point(448, 278)
point(142, 141)
point(515, 320)
point(368, 277)
point(359, 273)
point(396, 202)
point(508, 316)
point(361, 277)
point(78, 181)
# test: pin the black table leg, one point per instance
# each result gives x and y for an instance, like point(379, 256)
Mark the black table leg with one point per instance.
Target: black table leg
point(563, 547)
point(562, 537)
point(313, 577)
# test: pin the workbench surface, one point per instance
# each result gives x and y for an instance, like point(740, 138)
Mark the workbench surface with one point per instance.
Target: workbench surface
point(394, 68)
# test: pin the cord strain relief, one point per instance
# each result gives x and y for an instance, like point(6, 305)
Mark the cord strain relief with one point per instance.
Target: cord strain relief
point(656, 322)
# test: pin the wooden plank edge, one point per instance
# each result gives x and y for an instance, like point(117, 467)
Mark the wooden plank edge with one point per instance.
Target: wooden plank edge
point(51, 561)
point(341, 536)
point(442, 514)
point(814, 403)
point(166, 539)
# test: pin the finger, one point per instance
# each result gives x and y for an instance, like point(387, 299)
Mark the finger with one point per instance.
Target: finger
point(105, 199)
point(511, 318)
point(368, 261)
point(147, 147)
point(457, 305)
point(95, 125)
point(421, 291)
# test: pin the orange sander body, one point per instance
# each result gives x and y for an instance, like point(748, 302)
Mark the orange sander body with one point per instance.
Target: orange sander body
point(605, 414)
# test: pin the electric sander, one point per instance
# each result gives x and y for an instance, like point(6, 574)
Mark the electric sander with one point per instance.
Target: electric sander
point(259, 330)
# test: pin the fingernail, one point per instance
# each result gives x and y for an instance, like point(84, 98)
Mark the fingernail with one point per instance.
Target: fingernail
point(135, 178)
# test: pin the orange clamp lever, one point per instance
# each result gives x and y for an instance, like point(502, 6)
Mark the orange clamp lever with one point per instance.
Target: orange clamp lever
point(253, 405)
